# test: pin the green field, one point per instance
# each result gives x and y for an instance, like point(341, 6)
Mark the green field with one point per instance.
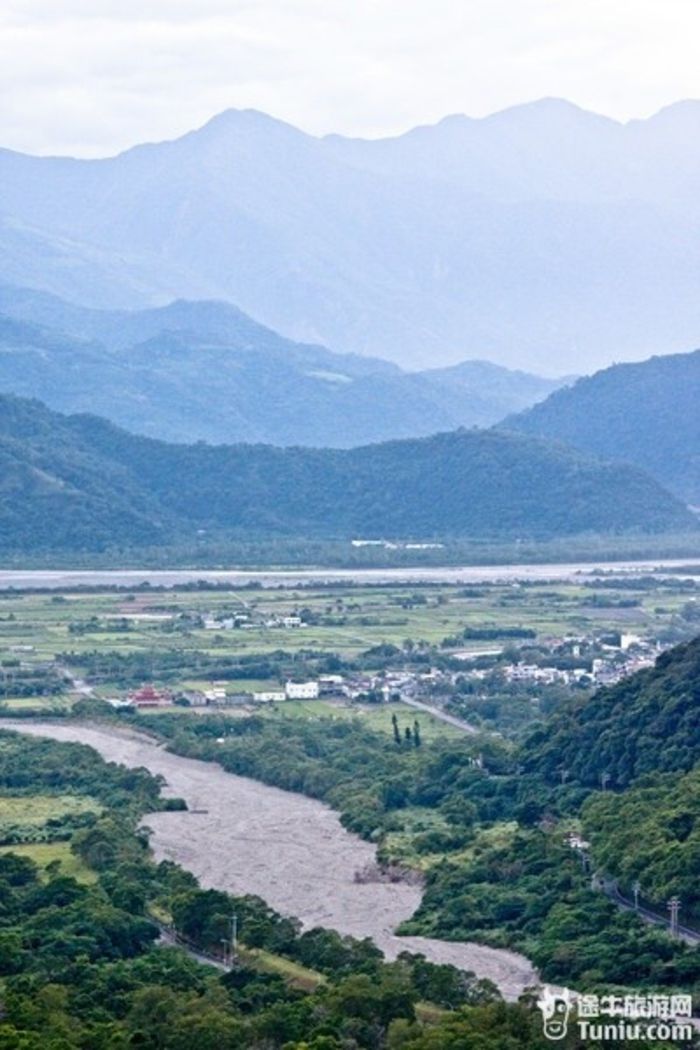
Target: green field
point(374, 716)
point(352, 618)
point(45, 853)
point(343, 620)
point(37, 809)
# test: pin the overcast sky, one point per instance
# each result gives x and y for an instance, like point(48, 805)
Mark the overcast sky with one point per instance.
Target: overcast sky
point(90, 77)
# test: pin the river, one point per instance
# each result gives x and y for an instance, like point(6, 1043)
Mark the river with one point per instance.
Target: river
point(63, 579)
point(286, 848)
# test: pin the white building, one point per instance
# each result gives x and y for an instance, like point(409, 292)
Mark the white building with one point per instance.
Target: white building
point(215, 696)
point(270, 696)
point(301, 690)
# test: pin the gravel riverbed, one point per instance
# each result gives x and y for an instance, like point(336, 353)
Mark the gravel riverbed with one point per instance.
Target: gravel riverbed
point(288, 849)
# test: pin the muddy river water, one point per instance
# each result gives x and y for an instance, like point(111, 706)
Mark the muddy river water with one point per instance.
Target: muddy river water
point(290, 850)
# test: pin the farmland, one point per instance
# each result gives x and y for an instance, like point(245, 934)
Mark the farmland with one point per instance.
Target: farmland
point(60, 646)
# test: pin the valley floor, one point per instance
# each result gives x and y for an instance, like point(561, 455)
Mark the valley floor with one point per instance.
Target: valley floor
point(248, 838)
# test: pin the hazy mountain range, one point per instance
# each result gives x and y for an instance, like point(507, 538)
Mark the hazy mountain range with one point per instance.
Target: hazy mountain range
point(543, 237)
point(647, 414)
point(78, 483)
point(205, 371)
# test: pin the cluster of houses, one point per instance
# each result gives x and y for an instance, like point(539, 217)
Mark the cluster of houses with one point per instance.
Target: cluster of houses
point(612, 662)
point(351, 687)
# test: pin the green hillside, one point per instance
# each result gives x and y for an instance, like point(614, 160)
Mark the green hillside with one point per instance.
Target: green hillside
point(649, 723)
point(646, 414)
point(80, 483)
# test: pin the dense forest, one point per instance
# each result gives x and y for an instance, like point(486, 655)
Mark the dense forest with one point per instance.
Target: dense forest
point(81, 965)
point(645, 413)
point(498, 866)
point(484, 820)
point(648, 723)
point(80, 484)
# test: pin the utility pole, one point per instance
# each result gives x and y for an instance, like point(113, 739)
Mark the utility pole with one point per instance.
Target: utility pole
point(563, 773)
point(636, 890)
point(225, 942)
point(234, 937)
point(673, 906)
point(604, 780)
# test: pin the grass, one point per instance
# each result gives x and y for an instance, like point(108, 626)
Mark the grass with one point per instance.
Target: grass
point(37, 809)
point(399, 845)
point(44, 854)
point(308, 980)
point(294, 973)
point(36, 703)
point(375, 716)
point(371, 616)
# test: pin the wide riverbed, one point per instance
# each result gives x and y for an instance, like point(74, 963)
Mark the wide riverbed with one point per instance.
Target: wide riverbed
point(61, 579)
point(288, 849)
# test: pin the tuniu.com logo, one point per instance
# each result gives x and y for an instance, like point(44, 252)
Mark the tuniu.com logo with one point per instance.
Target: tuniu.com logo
point(555, 1007)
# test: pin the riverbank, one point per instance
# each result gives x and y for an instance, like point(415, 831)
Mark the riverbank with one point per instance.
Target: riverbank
point(245, 837)
point(65, 579)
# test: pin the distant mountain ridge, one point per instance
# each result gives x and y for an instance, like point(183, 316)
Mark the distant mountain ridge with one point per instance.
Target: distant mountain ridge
point(541, 237)
point(78, 483)
point(647, 413)
point(205, 371)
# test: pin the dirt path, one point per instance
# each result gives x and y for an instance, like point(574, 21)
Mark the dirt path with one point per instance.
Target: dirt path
point(290, 850)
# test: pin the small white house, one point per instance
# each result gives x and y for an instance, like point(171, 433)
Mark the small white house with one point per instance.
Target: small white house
point(270, 696)
point(302, 690)
point(215, 696)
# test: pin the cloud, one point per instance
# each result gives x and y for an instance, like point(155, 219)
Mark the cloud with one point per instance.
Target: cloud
point(90, 77)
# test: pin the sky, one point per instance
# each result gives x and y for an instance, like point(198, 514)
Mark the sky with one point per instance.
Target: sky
point(92, 77)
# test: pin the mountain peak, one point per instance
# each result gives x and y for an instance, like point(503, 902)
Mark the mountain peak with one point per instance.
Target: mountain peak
point(246, 121)
point(548, 108)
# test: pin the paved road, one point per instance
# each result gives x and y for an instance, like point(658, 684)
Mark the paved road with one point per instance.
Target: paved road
point(685, 933)
point(467, 727)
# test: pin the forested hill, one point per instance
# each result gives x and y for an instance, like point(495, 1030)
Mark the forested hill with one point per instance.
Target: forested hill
point(80, 483)
point(205, 371)
point(649, 723)
point(646, 413)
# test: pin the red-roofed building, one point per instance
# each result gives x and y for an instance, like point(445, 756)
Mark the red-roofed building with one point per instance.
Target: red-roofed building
point(149, 696)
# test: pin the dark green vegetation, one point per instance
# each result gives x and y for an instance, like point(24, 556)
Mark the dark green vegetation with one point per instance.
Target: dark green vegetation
point(80, 967)
point(646, 414)
point(488, 822)
point(78, 483)
point(368, 777)
point(651, 833)
point(531, 893)
point(205, 371)
point(489, 841)
point(646, 724)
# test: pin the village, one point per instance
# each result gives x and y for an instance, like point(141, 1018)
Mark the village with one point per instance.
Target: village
point(615, 658)
point(498, 657)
